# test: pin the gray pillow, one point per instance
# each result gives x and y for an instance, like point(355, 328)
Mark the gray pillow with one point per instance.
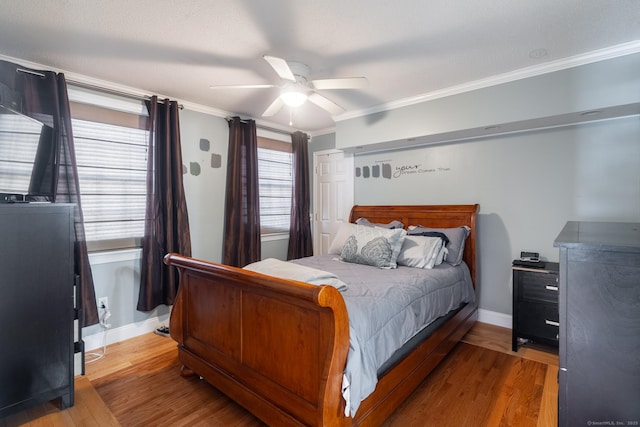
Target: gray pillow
point(392, 225)
point(457, 237)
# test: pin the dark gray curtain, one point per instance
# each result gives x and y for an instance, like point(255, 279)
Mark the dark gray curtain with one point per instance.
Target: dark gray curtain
point(166, 221)
point(242, 206)
point(42, 95)
point(300, 240)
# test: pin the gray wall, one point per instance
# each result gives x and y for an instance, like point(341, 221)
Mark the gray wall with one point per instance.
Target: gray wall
point(528, 185)
point(321, 143)
point(118, 279)
point(596, 86)
point(274, 248)
point(205, 141)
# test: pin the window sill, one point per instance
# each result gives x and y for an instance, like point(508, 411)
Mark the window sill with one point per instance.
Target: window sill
point(120, 255)
point(273, 237)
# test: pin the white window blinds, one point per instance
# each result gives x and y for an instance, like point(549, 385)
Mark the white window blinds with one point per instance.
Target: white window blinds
point(19, 137)
point(275, 181)
point(111, 155)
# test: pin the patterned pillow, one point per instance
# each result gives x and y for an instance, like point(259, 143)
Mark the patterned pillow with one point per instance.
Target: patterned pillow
point(373, 246)
point(345, 230)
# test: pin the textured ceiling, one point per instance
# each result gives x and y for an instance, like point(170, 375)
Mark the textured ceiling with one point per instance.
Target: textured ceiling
point(405, 48)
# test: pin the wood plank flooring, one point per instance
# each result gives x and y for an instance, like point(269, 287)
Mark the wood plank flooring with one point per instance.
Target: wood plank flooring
point(482, 383)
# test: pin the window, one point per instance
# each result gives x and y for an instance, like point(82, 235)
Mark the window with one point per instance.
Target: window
point(275, 181)
point(19, 140)
point(111, 154)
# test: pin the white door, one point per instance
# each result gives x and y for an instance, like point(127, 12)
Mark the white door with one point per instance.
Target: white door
point(333, 196)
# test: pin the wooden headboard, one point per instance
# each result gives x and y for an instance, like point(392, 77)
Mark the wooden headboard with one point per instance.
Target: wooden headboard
point(435, 216)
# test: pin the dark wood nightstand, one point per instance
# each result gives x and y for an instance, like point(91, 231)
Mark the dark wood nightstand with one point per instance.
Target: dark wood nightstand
point(535, 305)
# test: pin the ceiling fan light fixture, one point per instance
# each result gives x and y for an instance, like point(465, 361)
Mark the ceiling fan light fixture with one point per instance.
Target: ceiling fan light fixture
point(293, 98)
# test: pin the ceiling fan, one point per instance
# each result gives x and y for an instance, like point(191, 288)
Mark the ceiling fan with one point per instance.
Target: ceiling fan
point(297, 89)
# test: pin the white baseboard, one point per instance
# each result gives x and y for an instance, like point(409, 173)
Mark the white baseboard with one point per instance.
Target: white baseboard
point(132, 330)
point(494, 318)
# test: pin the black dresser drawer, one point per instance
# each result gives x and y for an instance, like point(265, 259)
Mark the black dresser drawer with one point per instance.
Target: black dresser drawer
point(538, 320)
point(536, 286)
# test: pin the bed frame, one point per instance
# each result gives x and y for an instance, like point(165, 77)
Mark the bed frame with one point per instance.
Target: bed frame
point(278, 347)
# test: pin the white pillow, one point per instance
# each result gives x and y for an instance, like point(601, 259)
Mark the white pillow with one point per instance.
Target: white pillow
point(444, 252)
point(373, 246)
point(345, 230)
point(421, 251)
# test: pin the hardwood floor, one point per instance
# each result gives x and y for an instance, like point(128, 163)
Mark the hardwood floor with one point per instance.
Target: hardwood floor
point(482, 383)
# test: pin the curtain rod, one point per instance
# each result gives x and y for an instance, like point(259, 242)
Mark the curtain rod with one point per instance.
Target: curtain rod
point(95, 87)
point(264, 127)
point(276, 130)
point(114, 92)
point(26, 71)
point(147, 98)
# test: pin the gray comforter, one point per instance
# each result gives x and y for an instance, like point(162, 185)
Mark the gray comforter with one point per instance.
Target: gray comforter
point(386, 308)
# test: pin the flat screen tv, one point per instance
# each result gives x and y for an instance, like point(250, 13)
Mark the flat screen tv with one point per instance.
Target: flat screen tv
point(27, 158)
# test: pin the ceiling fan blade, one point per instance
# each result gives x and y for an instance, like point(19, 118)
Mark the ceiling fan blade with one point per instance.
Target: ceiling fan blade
point(281, 67)
point(342, 83)
point(326, 104)
point(272, 109)
point(240, 86)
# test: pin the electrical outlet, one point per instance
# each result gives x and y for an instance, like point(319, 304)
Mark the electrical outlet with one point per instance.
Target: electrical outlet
point(103, 303)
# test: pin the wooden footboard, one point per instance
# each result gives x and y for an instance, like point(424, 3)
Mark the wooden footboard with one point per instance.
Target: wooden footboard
point(398, 383)
point(279, 347)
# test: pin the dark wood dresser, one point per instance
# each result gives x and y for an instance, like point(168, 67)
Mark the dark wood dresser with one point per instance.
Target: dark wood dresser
point(36, 305)
point(599, 302)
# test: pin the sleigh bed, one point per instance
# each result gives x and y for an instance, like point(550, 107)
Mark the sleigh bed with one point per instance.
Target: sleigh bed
point(279, 347)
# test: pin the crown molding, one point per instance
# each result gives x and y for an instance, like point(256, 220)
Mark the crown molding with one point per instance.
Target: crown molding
point(324, 131)
point(523, 73)
point(548, 67)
